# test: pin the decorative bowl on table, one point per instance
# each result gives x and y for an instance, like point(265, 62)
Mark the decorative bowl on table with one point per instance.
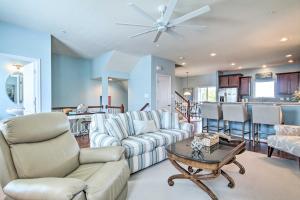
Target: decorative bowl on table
point(204, 140)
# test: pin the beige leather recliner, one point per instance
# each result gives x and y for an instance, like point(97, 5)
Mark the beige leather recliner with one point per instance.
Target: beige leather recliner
point(40, 159)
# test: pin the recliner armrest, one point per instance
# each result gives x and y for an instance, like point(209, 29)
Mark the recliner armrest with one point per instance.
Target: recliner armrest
point(100, 155)
point(44, 188)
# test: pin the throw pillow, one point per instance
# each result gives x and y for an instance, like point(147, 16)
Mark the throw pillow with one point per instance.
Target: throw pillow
point(116, 128)
point(141, 126)
point(170, 120)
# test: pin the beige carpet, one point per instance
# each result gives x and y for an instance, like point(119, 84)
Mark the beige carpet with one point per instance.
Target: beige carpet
point(265, 178)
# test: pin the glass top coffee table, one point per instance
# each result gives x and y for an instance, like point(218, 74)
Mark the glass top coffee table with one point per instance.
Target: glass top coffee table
point(208, 158)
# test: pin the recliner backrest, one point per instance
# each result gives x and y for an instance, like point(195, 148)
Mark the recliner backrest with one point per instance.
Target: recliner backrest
point(7, 168)
point(41, 145)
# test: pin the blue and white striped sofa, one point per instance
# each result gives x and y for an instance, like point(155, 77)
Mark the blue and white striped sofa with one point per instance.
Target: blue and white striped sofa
point(142, 150)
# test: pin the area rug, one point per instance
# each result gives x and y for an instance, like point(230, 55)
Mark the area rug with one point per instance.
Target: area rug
point(265, 178)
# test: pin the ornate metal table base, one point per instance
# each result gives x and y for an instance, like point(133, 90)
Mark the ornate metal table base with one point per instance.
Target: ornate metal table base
point(193, 175)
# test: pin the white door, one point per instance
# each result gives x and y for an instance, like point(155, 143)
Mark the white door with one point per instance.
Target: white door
point(29, 87)
point(163, 92)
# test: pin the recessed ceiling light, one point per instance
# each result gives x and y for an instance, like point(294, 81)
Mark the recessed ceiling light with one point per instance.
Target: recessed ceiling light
point(157, 45)
point(232, 64)
point(240, 67)
point(290, 61)
point(181, 58)
point(288, 55)
point(110, 79)
point(264, 66)
point(183, 63)
point(284, 39)
point(213, 54)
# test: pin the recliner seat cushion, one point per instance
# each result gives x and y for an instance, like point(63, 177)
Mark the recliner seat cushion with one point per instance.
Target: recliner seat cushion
point(52, 158)
point(135, 146)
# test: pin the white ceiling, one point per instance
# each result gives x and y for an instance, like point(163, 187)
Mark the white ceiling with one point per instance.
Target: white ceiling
point(246, 32)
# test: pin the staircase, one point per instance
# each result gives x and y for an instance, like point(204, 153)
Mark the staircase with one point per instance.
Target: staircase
point(183, 106)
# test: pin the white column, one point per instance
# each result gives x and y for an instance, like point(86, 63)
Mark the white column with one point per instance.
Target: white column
point(105, 90)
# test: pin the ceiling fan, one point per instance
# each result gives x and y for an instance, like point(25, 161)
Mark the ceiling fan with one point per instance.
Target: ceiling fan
point(164, 23)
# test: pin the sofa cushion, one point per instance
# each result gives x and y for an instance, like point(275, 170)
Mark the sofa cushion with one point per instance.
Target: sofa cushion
point(135, 145)
point(141, 126)
point(116, 128)
point(104, 181)
point(155, 115)
point(159, 138)
point(289, 144)
point(170, 120)
point(137, 115)
point(177, 134)
point(103, 140)
point(125, 120)
point(98, 122)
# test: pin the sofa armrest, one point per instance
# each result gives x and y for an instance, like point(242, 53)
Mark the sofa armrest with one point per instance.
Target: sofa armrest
point(186, 127)
point(100, 155)
point(44, 188)
point(287, 130)
point(103, 140)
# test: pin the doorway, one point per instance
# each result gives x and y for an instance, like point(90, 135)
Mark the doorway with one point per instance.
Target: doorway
point(21, 80)
point(163, 92)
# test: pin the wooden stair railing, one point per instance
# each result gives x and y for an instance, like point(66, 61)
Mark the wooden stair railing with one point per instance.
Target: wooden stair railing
point(183, 106)
point(92, 109)
point(145, 106)
point(115, 109)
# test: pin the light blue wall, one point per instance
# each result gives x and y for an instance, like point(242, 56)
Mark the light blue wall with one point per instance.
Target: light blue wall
point(139, 84)
point(72, 84)
point(168, 68)
point(142, 81)
point(99, 63)
point(19, 41)
point(5, 102)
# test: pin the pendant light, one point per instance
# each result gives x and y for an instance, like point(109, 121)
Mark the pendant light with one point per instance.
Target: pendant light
point(187, 92)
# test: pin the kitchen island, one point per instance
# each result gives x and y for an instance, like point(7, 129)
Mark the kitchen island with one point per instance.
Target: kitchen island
point(290, 114)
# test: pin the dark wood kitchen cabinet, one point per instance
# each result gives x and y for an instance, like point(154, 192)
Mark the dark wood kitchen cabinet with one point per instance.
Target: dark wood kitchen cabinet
point(245, 86)
point(227, 81)
point(223, 81)
point(287, 83)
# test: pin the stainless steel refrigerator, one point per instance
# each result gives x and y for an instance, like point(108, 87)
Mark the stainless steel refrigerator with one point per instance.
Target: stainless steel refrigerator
point(228, 94)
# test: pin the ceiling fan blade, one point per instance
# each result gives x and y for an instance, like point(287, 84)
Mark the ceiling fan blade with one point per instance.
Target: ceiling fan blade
point(142, 33)
point(141, 11)
point(189, 16)
point(157, 36)
point(170, 9)
point(137, 25)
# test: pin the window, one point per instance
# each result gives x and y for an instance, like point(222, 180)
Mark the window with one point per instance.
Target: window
point(264, 89)
point(205, 94)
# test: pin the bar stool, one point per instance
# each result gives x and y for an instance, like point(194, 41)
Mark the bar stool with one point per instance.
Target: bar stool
point(211, 111)
point(236, 113)
point(264, 114)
